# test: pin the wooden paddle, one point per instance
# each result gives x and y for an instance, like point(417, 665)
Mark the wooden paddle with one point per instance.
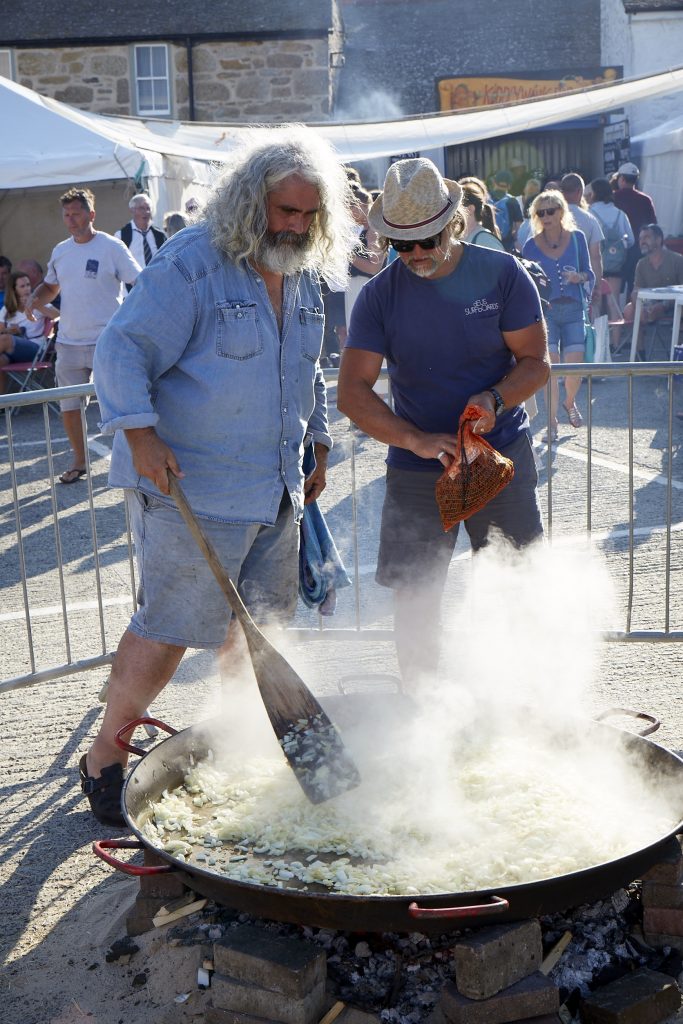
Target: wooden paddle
point(310, 742)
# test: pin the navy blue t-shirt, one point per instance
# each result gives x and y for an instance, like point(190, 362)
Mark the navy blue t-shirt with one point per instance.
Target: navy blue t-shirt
point(442, 340)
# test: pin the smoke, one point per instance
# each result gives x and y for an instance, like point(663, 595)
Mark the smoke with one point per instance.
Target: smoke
point(372, 106)
point(491, 773)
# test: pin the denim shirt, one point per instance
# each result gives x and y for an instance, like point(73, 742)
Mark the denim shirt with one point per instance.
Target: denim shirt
point(195, 352)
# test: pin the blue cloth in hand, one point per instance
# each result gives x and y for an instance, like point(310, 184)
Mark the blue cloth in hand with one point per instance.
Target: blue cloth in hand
point(321, 570)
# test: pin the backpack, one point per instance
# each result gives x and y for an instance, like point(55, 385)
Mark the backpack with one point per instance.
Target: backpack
point(613, 248)
point(540, 279)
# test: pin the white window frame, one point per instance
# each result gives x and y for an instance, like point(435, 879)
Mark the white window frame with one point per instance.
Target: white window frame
point(151, 111)
point(4, 52)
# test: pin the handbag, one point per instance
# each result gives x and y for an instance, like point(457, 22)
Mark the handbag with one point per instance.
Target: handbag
point(588, 329)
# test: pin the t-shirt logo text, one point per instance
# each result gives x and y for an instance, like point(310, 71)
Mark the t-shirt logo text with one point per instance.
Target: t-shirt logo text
point(91, 268)
point(481, 306)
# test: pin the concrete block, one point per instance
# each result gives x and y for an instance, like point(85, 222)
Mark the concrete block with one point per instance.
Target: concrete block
point(532, 997)
point(644, 997)
point(293, 967)
point(167, 887)
point(173, 969)
point(139, 920)
point(658, 941)
point(669, 870)
point(495, 958)
point(350, 1015)
point(216, 1015)
point(656, 895)
point(662, 920)
point(230, 994)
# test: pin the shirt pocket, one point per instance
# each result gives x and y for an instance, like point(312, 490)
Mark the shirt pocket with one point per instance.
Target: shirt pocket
point(237, 330)
point(312, 323)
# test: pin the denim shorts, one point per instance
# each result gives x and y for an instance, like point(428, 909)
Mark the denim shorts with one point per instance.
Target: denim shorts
point(566, 328)
point(179, 600)
point(24, 351)
point(414, 551)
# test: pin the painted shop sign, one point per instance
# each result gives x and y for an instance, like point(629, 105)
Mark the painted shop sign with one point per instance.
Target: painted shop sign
point(470, 91)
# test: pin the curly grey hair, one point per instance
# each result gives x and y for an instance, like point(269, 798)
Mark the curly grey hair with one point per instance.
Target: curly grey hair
point(237, 213)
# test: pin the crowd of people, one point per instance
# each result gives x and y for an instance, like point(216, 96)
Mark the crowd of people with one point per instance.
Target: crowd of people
point(427, 275)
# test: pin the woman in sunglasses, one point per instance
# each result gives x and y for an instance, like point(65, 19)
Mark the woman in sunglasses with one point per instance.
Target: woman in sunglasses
point(561, 250)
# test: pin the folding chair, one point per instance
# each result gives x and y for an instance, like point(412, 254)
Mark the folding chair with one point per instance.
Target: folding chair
point(39, 373)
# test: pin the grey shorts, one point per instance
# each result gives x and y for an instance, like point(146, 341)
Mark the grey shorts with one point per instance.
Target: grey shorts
point(179, 600)
point(73, 366)
point(414, 550)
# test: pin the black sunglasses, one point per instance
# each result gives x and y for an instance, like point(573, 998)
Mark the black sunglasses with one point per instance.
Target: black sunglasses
point(548, 212)
point(425, 243)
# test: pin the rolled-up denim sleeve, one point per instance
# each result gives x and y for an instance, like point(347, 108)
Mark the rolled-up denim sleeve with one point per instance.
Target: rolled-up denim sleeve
point(318, 424)
point(146, 337)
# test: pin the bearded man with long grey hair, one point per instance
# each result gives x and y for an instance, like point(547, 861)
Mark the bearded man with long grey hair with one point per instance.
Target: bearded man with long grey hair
point(210, 372)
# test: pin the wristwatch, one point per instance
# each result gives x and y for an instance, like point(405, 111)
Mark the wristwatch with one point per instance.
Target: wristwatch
point(499, 405)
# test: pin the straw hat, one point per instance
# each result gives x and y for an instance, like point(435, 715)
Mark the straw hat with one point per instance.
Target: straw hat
point(416, 202)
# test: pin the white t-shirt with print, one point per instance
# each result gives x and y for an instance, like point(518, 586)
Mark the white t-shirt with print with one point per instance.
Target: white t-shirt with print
point(89, 275)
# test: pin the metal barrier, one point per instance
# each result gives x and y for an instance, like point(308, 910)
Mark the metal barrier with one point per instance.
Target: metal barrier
point(68, 570)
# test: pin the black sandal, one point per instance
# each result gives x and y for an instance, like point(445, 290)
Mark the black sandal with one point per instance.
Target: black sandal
point(104, 793)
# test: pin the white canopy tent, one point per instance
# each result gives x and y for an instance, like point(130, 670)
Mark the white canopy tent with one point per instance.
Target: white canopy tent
point(56, 145)
point(659, 154)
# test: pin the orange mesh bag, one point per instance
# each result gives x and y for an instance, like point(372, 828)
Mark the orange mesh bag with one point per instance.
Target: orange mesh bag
point(477, 473)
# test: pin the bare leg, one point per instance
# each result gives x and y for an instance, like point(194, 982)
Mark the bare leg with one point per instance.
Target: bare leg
point(572, 384)
point(233, 656)
point(416, 632)
point(74, 431)
point(139, 673)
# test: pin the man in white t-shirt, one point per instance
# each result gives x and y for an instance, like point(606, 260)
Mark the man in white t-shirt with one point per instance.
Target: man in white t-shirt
point(87, 270)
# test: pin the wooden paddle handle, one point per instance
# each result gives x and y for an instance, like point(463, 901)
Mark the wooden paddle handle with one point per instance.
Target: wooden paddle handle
point(206, 547)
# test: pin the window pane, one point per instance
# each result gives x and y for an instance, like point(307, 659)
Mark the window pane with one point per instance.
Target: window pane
point(145, 96)
point(159, 61)
point(142, 61)
point(5, 64)
point(160, 95)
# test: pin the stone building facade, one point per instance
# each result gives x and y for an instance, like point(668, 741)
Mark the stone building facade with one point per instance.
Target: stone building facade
point(273, 62)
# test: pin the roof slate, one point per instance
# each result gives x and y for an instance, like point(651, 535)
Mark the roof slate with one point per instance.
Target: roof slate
point(161, 19)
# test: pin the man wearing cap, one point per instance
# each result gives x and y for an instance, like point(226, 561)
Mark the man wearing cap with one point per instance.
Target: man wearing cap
point(458, 324)
point(639, 209)
point(572, 187)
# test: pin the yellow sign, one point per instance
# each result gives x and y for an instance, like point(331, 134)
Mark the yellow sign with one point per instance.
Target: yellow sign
point(473, 91)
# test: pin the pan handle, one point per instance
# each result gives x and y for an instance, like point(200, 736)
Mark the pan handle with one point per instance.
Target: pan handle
point(100, 846)
point(647, 731)
point(497, 906)
point(120, 742)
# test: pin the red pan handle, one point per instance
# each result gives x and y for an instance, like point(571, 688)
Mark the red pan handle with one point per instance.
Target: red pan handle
point(100, 846)
point(647, 731)
point(120, 742)
point(497, 906)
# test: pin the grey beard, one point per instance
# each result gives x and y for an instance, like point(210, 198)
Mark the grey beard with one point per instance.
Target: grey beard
point(284, 252)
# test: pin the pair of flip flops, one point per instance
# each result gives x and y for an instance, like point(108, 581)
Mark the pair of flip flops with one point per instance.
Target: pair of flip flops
point(72, 475)
point(104, 793)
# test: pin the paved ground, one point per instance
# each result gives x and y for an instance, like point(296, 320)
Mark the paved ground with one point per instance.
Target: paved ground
point(59, 903)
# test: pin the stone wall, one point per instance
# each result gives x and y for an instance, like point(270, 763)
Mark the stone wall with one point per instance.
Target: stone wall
point(264, 81)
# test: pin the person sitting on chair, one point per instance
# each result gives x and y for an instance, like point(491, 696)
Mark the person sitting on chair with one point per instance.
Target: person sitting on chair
point(659, 268)
point(20, 337)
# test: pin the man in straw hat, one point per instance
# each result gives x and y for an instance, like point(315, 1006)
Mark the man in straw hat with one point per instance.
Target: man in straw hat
point(458, 325)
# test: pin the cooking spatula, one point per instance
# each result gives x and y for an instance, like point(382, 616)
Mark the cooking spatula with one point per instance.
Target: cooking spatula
point(310, 742)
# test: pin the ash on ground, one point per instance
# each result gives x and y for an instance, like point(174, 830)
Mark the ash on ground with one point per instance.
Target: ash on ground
point(400, 977)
